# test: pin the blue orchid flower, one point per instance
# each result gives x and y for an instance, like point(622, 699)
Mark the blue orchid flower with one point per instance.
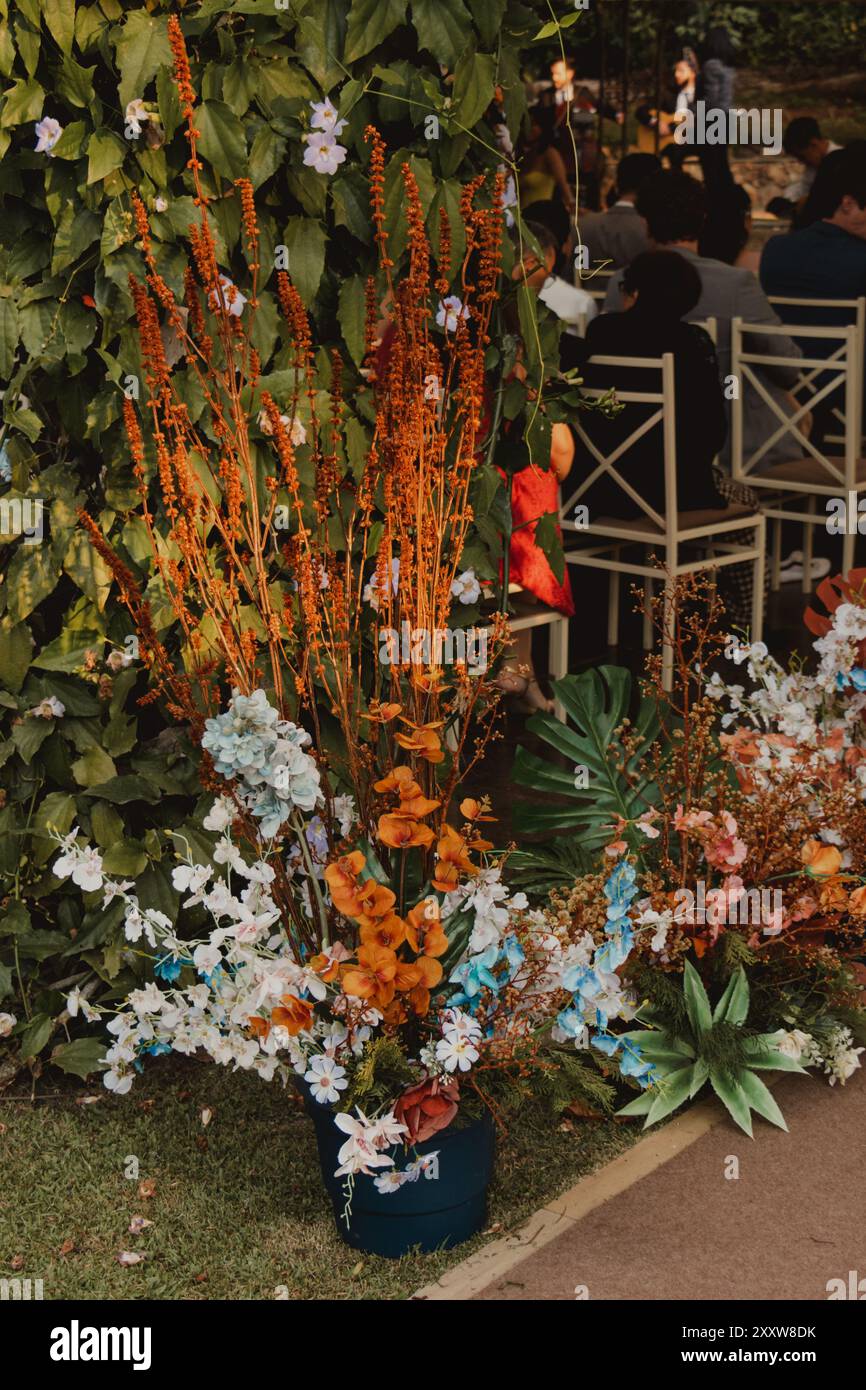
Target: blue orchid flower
point(474, 975)
point(513, 954)
point(169, 967)
point(572, 1023)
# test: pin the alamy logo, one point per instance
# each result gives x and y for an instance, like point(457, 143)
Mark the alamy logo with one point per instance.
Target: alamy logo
point(22, 516)
point(18, 1289)
point(854, 1289)
point(418, 646)
point(714, 126)
point(733, 906)
point(77, 1343)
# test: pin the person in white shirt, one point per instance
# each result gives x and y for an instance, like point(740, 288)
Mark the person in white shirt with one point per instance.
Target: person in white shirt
point(804, 141)
point(572, 306)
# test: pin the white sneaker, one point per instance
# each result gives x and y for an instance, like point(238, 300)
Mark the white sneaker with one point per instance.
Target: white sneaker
point(791, 571)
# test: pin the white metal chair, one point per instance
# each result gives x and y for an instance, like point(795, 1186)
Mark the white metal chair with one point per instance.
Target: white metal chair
point(659, 533)
point(820, 473)
point(595, 283)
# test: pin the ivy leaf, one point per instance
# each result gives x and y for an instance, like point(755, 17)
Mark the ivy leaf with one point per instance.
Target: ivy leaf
point(222, 142)
point(371, 21)
point(141, 48)
point(353, 313)
point(16, 644)
point(8, 335)
point(23, 103)
point(81, 1057)
point(31, 578)
point(71, 143)
point(93, 768)
point(319, 41)
point(268, 150)
point(105, 153)
point(36, 1035)
point(86, 568)
point(75, 83)
point(59, 18)
point(442, 26)
point(306, 242)
point(474, 84)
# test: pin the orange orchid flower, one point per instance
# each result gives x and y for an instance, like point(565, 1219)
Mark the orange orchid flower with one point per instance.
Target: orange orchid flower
point(375, 900)
point(453, 859)
point(820, 860)
point(326, 966)
point(431, 971)
point(424, 929)
point(476, 810)
point(295, 1017)
point(419, 998)
point(401, 776)
point(388, 931)
point(373, 977)
point(857, 902)
point(259, 1027)
point(342, 879)
point(408, 976)
point(423, 740)
point(383, 713)
point(403, 832)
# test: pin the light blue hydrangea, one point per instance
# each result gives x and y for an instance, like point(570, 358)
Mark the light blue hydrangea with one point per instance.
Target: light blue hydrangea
point(265, 755)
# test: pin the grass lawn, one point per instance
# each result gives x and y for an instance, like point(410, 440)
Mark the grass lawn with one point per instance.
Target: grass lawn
point(238, 1208)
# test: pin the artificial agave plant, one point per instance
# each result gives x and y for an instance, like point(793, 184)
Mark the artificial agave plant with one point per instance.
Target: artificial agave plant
point(717, 1049)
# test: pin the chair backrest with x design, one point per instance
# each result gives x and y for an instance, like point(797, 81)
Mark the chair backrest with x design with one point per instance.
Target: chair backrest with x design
point(662, 419)
point(823, 313)
point(820, 378)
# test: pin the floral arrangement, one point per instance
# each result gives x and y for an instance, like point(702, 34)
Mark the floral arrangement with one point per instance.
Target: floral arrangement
point(349, 924)
point(739, 858)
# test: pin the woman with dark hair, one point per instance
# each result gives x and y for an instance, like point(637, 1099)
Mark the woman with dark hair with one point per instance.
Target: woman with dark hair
point(659, 288)
point(715, 87)
point(543, 174)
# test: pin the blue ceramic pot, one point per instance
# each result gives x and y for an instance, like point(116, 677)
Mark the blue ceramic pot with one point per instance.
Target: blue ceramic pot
point(434, 1212)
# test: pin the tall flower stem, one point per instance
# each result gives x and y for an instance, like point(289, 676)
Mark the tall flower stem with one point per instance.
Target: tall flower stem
point(298, 826)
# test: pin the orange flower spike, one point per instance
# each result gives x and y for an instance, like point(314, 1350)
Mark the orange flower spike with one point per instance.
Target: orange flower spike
point(820, 860)
point(403, 832)
point(373, 977)
point(387, 931)
point(295, 1017)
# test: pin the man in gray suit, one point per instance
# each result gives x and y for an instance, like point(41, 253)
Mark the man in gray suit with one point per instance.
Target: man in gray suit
point(619, 234)
point(674, 206)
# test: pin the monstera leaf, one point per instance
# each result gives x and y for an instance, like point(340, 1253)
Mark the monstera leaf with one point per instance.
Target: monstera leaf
point(596, 703)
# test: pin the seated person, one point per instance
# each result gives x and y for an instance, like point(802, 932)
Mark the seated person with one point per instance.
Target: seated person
point(675, 208)
point(804, 141)
point(824, 260)
point(658, 289)
point(571, 305)
point(619, 234)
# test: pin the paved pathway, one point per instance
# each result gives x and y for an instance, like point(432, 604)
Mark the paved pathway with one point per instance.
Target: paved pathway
point(794, 1219)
